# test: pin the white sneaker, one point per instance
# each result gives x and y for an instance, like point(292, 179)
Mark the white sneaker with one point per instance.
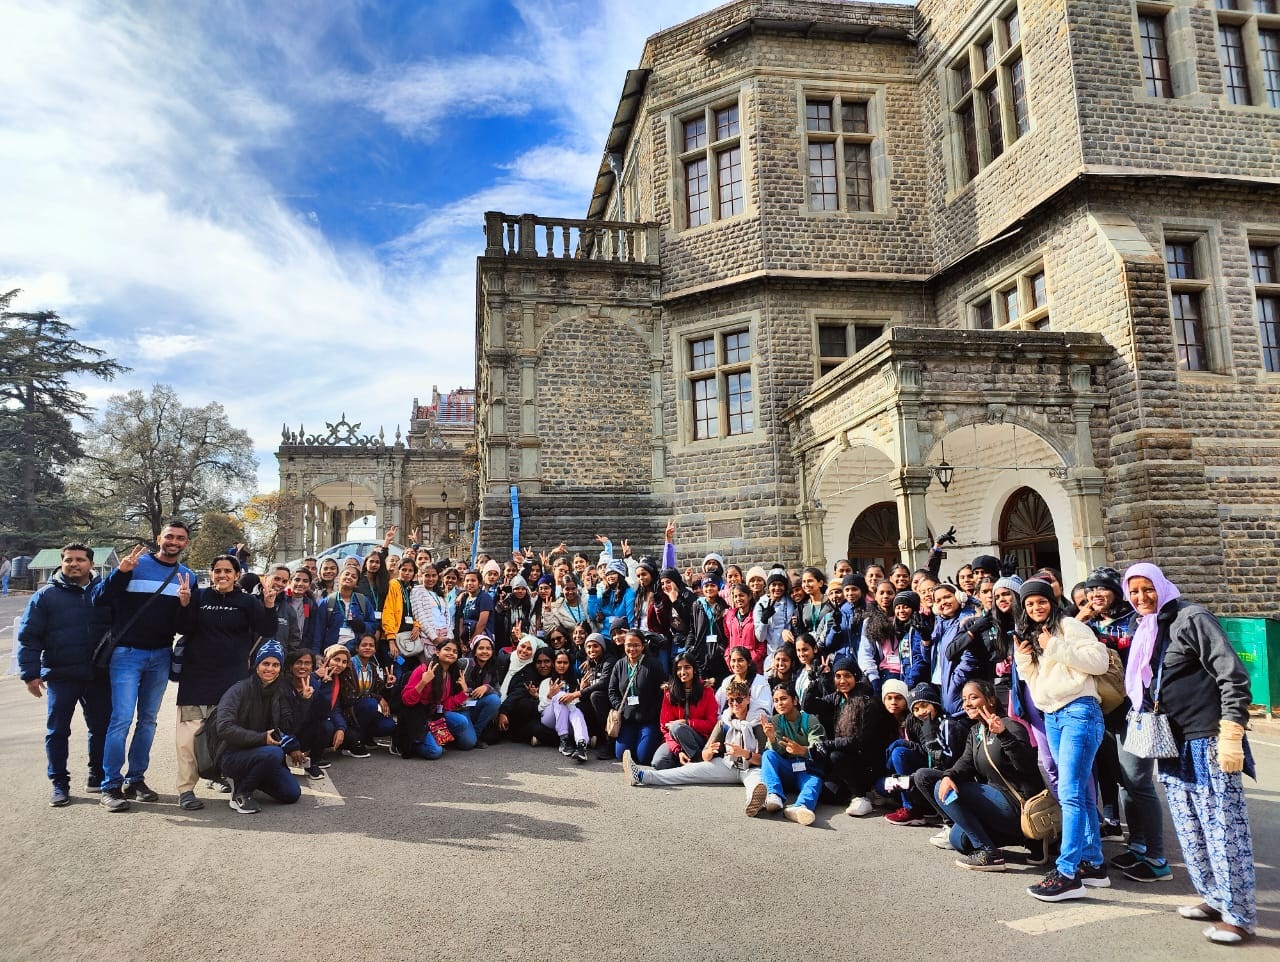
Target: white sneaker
point(798, 814)
point(860, 806)
point(772, 803)
point(942, 840)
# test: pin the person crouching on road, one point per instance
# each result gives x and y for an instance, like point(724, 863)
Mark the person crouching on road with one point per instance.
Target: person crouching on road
point(250, 728)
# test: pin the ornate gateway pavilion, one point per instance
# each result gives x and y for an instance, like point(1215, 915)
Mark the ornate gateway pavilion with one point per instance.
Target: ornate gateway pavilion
point(852, 273)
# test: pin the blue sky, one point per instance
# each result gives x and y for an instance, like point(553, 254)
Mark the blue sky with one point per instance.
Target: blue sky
point(279, 205)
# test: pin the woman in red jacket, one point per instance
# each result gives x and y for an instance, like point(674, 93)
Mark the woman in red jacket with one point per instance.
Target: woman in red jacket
point(438, 690)
point(688, 714)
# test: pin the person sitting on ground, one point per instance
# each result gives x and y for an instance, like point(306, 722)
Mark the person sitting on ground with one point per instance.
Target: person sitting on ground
point(437, 691)
point(249, 739)
point(635, 689)
point(732, 754)
point(312, 725)
point(689, 712)
point(558, 696)
point(483, 672)
point(593, 697)
point(372, 713)
point(337, 689)
point(789, 763)
point(980, 792)
point(858, 731)
point(519, 715)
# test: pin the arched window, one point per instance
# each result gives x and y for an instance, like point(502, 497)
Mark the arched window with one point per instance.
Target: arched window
point(1026, 529)
point(873, 539)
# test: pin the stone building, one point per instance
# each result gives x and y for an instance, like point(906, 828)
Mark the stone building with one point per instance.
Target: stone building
point(425, 479)
point(853, 273)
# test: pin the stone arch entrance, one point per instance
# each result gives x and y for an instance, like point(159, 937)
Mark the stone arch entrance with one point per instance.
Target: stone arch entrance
point(1027, 529)
point(874, 537)
point(853, 478)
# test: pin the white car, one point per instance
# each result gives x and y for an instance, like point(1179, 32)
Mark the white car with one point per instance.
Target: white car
point(349, 549)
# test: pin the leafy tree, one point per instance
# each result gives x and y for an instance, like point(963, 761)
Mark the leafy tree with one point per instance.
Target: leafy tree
point(217, 533)
point(263, 514)
point(38, 358)
point(150, 458)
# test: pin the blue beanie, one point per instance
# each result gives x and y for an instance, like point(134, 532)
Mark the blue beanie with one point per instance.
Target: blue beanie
point(270, 649)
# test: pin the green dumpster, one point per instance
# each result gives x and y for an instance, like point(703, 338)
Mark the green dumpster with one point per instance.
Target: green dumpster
point(1257, 642)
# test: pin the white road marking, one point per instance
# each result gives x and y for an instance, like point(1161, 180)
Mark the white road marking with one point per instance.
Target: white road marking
point(1074, 916)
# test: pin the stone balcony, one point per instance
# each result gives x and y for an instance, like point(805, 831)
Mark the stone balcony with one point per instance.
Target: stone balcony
point(560, 239)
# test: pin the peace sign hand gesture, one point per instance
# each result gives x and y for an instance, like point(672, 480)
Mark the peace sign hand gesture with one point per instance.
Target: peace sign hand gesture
point(307, 691)
point(994, 723)
point(130, 561)
point(184, 589)
point(269, 592)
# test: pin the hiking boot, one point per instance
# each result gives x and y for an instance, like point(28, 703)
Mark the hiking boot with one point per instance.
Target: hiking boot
point(113, 800)
point(1056, 887)
point(140, 791)
point(983, 860)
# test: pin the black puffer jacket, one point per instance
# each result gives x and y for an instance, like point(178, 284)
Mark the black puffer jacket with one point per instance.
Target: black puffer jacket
point(1204, 680)
point(247, 712)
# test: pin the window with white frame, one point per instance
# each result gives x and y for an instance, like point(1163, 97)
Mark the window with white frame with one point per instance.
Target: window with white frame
point(1249, 51)
point(1264, 268)
point(720, 377)
point(988, 95)
point(710, 163)
point(1018, 301)
point(839, 339)
point(839, 142)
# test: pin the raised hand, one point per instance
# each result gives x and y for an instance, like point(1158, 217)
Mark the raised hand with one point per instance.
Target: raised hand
point(390, 535)
point(626, 548)
point(670, 532)
point(130, 561)
point(184, 589)
point(307, 691)
point(269, 592)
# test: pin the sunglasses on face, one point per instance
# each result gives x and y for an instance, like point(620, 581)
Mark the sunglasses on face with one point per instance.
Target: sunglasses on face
point(735, 701)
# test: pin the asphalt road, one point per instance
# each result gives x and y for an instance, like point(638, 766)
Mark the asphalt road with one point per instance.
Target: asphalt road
point(516, 853)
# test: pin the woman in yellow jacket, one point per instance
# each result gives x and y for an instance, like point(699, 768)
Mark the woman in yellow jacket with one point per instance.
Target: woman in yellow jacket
point(1060, 658)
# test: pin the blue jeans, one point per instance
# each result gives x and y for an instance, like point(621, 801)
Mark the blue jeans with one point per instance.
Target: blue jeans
point(94, 699)
point(370, 720)
point(641, 740)
point(261, 769)
point(983, 817)
point(905, 759)
point(779, 779)
point(138, 680)
point(484, 711)
point(1074, 732)
point(460, 727)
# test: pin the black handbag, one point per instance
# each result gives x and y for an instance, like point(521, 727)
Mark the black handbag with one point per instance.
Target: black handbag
point(206, 761)
point(106, 646)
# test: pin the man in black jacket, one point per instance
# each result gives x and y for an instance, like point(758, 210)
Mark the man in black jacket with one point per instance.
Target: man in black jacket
point(56, 638)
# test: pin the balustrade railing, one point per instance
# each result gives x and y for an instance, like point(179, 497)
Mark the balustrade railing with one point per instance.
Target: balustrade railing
point(555, 238)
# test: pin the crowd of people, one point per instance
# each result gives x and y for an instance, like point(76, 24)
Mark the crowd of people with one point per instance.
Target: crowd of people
point(1004, 713)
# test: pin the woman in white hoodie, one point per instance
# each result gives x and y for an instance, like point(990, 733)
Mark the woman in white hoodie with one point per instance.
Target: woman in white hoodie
point(1060, 659)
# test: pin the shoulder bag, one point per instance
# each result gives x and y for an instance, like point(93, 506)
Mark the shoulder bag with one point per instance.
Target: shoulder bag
point(1041, 814)
point(613, 723)
point(107, 644)
point(1148, 734)
point(1111, 683)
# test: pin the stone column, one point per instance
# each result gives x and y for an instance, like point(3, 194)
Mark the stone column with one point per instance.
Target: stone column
point(1084, 487)
point(812, 547)
point(913, 521)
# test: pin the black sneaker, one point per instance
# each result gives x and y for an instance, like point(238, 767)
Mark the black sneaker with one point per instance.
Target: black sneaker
point(1038, 851)
point(1110, 830)
point(61, 796)
point(1056, 887)
point(579, 754)
point(983, 860)
point(324, 763)
point(355, 751)
point(1126, 859)
point(244, 804)
point(113, 800)
point(315, 771)
point(94, 784)
point(566, 746)
point(606, 752)
point(140, 791)
point(1145, 870)
point(1094, 876)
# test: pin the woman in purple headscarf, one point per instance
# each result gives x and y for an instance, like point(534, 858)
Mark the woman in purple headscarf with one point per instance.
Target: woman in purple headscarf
point(1181, 652)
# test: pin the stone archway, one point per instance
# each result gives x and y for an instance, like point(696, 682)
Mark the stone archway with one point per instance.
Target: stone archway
point(1026, 528)
point(874, 537)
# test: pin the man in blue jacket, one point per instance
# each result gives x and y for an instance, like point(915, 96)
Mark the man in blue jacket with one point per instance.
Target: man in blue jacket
point(140, 663)
point(56, 638)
